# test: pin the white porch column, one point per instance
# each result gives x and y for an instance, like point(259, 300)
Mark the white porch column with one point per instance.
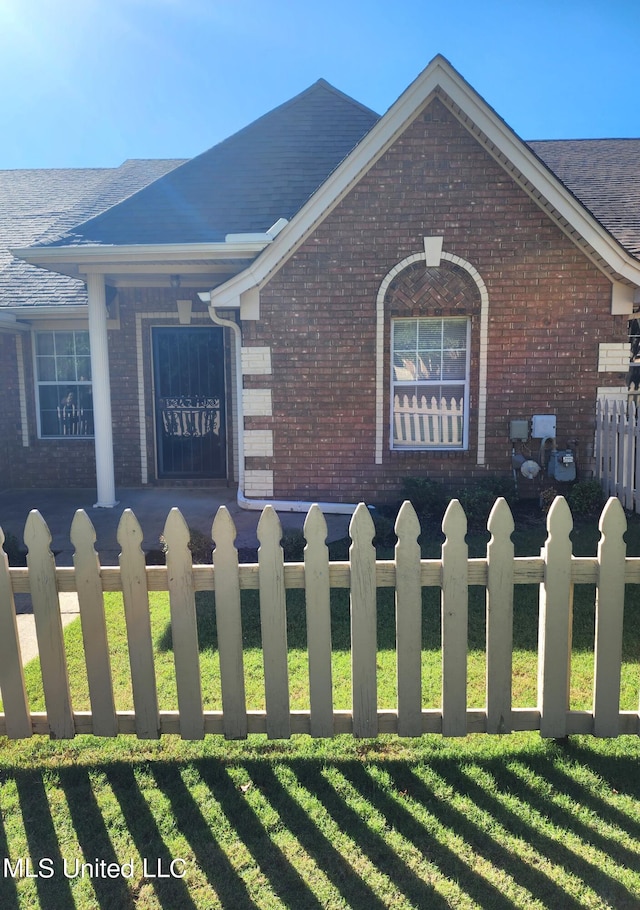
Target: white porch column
point(105, 476)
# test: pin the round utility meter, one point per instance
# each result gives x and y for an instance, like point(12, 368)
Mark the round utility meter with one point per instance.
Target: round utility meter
point(530, 469)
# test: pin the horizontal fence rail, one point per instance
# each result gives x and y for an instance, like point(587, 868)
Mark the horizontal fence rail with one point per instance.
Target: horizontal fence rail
point(556, 570)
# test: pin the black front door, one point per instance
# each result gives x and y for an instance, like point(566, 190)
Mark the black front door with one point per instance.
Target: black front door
point(188, 366)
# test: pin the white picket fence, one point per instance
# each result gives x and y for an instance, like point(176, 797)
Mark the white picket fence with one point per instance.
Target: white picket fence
point(427, 421)
point(555, 570)
point(617, 450)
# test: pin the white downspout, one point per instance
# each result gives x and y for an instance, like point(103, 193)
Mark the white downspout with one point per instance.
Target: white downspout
point(280, 505)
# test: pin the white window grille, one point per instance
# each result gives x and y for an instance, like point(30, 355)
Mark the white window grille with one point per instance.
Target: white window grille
point(430, 383)
point(63, 378)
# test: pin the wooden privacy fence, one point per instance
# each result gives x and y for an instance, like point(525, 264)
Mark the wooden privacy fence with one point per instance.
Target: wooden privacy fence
point(617, 450)
point(555, 570)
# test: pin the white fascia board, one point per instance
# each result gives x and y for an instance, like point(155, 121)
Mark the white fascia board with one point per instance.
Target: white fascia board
point(157, 252)
point(29, 313)
point(438, 75)
point(533, 170)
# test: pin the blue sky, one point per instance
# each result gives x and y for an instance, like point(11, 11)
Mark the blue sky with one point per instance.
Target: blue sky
point(89, 83)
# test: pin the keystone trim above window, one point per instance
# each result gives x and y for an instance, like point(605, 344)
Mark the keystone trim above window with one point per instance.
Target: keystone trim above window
point(63, 382)
point(430, 383)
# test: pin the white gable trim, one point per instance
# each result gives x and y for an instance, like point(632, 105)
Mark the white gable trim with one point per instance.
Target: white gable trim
point(441, 80)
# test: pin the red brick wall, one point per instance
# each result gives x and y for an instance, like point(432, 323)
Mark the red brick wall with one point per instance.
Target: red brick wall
point(71, 462)
point(549, 309)
point(45, 462)
point(10, 428)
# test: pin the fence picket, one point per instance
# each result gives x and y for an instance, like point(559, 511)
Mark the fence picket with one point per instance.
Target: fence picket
point(556, 610)
point(184, 627)
point(605, 475)
point(273, 622)
point(598, 440)
point(14, 695)
point(609, 620)
point(136, 611)
point(629, 459)
point(318, 613)
point(229, 626)
point(556, 570)
point(455, 609)
point(636, 462)
point(408, 622)
point(46, 611)
point(94, 629)
point(500, 553)
point(620, 453)
point(362, 558)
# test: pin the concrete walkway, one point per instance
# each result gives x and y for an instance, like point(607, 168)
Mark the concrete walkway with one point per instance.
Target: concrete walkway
point(151, 507)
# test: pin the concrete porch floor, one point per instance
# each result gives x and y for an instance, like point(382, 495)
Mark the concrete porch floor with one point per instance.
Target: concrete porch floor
point(151, 507)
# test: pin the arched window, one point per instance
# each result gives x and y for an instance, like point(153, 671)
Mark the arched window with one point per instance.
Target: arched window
point(424, 328)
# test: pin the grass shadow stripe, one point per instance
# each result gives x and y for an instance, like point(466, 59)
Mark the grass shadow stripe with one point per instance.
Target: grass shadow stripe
point(562, 818)
point(172, 893)
point(333, 864)
point(553, 849)
point(561, 781)
point(229, 887)
point(8, 888)
point(93, 837)
point(524, 875)
point(451, 865)
point(285, 880)
point(620, 772)
point(372, 845)
point(42, 841)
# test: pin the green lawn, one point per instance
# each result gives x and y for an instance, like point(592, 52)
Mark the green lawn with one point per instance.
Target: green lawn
point(491, 822)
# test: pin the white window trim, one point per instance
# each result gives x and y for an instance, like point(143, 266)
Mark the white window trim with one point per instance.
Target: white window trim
point(465, 384)
point(53, 327)
point(381, 380)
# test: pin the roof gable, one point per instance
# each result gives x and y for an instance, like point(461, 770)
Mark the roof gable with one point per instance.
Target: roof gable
point(441, 80)
point(246, 183)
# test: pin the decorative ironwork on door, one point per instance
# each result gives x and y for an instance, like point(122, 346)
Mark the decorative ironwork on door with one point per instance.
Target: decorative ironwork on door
point(189, 402)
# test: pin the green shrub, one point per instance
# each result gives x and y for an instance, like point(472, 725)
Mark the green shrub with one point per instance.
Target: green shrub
point(546, 498)
point(428, 497)
point(293, 544)
point(385, 534)
point(477, 498)
point(200, 544)
point(586, 498)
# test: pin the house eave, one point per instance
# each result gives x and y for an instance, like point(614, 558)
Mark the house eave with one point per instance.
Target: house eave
point(135, 253)
point(10, 323)
point(195, 262)
point(25, 314)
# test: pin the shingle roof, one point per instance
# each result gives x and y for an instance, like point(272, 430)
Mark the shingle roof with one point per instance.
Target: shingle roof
point(40, 204)
point(604, 174)
point(244, 184)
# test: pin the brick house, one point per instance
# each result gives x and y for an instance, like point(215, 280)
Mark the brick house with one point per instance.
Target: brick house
point(323, 304)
